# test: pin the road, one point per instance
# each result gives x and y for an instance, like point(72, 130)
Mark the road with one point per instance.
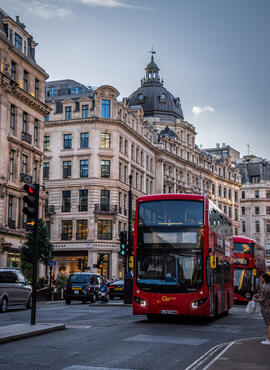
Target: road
point(106, 337)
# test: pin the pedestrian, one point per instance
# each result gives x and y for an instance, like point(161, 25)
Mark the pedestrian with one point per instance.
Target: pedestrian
point(264, 299)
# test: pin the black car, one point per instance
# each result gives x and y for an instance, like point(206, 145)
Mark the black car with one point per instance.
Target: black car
point(117, 289)
point(83, 286)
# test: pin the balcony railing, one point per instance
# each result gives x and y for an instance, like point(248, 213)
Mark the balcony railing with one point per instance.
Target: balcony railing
point(26, 178)
point(49, 210)
point(66, 208)
point(83, 208)
point(66, 236)
point(11, 224)
point(26, 137)
point(106, 208)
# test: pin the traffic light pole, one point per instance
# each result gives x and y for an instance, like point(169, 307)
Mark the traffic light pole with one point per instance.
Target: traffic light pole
point(35, 260)
point(128, 277)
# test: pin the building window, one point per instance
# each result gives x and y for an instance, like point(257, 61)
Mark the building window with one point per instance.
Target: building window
point(125, 174)
point(104, 200)
point(230, 212)
point(35, 173)
point(66, 200)
point(220, 191)
point(236, 196)
point(81, 229)
point(225, 192)
point(268, 210)
point(105, 108)
point(230, 194)
point(18, 42)
point(257, 193)
point(85, 111)
point(46, 143)
point(12, 119)
point(36, 132)
point(126, 147)
point(24, 164)
point(236, 214)
point(119, 202)
point(268, 194)
point(24, 122)
point(66, 230)
point(257, 226)
point(243, 209)
point(68, 112)
point(105, 168)
point(46, 170)
point(84, 140)
point(67, 141)
point(25, 80)
point(13, 70)
point(213, 189)
point(257, 210)
point(47, 118)
point(83, 200)
point(10, 207)
point(120, 171)
point(225, 209)
point(36, 88)
point(11, 165)
point(84, 168)
point(243, 193)
point(105, 141)
point(105, 229)
point(120, 144)
point(51, 91)
point(243, 226)
point(66, 169)
point(268, 227)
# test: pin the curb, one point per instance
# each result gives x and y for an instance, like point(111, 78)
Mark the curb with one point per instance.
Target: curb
point(27, 331)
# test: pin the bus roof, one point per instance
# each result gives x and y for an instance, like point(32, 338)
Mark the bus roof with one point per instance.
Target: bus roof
point(243, 239)
point(147, 198)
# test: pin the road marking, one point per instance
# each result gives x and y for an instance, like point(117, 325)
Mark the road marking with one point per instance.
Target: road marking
point(78, 367)
point(206, 356)
point(163, 339)
point(78, 326)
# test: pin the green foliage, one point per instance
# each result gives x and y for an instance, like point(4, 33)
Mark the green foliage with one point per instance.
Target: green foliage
point(41, 282)
point(61, 281)
point(45, 248)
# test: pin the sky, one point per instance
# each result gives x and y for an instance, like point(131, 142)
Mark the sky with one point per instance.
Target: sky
point(212, 54)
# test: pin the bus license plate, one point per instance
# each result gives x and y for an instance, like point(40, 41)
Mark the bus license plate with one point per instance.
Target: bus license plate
point(169, 312)
point(76, 291)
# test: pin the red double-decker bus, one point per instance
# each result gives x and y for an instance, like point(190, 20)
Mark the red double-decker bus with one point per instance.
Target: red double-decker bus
point(182, 257)
point(249, 264)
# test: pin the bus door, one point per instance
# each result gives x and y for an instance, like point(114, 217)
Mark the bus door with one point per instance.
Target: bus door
point(222, 288)
point(210, 282)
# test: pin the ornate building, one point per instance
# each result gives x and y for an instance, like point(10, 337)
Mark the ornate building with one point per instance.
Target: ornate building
point(22, 111)
point(255, 201)
point(92, 144)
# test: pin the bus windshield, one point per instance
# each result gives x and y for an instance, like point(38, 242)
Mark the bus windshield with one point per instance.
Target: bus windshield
point(171, 212)
point(243, 281)
point(245, 248)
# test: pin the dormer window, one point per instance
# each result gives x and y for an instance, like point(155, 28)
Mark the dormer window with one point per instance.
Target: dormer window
point(162, 98)
point(18, 42)
point(141, 97)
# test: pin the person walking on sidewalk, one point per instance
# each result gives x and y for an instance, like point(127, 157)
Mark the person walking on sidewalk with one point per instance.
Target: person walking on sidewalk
point(264, 299)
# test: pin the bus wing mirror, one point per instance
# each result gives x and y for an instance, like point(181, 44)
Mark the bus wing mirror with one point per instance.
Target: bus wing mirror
point(213, 262)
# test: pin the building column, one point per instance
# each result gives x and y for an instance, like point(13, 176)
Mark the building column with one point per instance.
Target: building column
point(114, 265)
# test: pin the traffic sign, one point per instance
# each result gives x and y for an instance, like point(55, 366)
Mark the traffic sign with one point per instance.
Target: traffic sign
point(52, 263)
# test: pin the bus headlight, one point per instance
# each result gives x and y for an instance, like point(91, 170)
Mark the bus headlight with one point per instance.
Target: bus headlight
point(198, 303)
point(140, 301)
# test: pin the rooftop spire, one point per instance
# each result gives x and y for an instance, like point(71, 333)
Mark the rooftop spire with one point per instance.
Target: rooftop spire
point(152, 75)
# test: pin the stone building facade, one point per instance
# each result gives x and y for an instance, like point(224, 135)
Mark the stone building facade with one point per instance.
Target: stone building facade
point(93, 142)
point(22, 111)
point(255, 201)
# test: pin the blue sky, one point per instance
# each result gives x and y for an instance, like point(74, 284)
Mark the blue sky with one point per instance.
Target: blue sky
point(213, 54)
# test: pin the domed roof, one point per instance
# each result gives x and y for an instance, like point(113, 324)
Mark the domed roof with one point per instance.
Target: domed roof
point(154, 98)
point(167, 132)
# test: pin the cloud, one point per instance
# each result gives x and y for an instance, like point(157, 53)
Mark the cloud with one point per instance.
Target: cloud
point(108, 4)
point(48, 11)
point(198, 110)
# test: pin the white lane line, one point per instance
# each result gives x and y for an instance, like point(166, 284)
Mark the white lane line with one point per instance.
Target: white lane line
point(225, 349)
point(205, 357)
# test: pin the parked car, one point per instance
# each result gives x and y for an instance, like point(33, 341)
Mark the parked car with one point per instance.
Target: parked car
point(117, 289)
point(83, 286)
point(14, 289)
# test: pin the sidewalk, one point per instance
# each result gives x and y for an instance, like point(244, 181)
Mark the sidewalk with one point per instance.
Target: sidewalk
point(19, 331)
point(242, 355)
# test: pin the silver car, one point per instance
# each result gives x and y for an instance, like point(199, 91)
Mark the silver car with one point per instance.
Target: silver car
point(14, 289)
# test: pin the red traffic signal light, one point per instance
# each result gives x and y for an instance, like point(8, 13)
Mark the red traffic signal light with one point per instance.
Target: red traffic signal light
point(31, 200)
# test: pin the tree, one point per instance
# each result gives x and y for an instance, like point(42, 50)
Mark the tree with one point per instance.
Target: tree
point(45, 249)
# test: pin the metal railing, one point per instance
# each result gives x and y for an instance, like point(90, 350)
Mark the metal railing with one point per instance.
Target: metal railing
point(49, 210)
point(26, 137)
point(26, 178)
point(106, 208)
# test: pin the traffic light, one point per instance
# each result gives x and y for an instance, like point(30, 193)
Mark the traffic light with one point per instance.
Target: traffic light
point(101, 261)
point(123, 243)
point(31, 200)
point(79, 264)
